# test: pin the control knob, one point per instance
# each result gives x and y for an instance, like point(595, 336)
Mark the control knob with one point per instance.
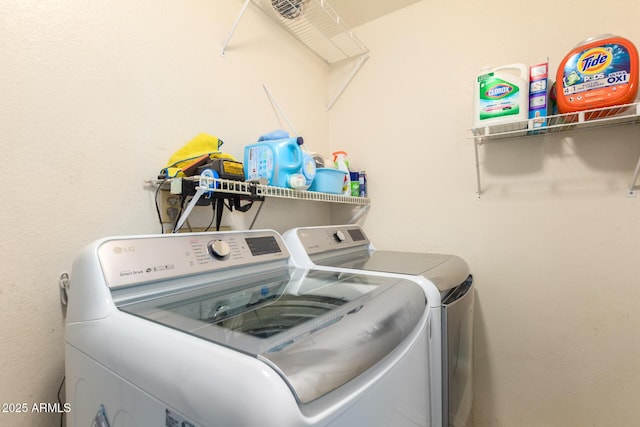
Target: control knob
point(339, 236)
point(219, 249)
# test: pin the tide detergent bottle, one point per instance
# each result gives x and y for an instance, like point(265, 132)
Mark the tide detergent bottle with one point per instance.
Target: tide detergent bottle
point(501, 98)
point(599, 72)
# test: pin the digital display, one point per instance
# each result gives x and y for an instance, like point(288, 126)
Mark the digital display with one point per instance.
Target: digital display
point(356, 234)
point(263, 245)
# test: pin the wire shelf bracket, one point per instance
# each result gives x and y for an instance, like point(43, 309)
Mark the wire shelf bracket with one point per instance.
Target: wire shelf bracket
point(316, 25)
point(596, 118)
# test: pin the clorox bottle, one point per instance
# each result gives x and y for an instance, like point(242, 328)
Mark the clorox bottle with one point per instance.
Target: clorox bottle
point(501, 98)
point(599, 72)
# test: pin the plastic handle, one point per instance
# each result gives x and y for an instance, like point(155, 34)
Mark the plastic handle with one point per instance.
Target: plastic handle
point(595, 39)
point(524, 72)
point(295, 153)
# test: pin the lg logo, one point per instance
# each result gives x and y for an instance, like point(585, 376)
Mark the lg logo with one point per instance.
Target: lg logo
point(119, 250)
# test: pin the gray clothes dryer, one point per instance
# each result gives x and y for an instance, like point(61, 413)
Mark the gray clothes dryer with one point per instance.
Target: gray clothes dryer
point(348, 247)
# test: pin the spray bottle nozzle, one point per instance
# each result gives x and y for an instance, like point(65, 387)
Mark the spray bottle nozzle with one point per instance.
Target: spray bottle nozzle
point(339, 155)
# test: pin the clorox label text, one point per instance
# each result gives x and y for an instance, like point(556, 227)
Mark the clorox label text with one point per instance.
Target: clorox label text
point(499, 91)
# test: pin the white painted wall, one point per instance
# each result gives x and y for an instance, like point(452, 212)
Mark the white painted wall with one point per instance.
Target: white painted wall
point(553, 243)
point(94, 98)
point(97, 95)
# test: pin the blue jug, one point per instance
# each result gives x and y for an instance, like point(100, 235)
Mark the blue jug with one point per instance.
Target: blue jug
point(277, 161)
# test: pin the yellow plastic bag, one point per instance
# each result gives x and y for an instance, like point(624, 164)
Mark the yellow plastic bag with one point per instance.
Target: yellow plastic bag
point(197, 147)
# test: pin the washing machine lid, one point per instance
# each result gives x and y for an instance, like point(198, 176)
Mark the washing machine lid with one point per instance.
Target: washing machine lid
point(317, 329)
point(445, 271)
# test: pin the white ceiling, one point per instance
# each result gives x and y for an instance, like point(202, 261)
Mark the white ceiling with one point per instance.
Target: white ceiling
point(358, 12)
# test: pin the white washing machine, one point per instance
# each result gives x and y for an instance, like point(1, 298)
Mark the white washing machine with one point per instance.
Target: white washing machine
point(218, 329)
point(348, 248)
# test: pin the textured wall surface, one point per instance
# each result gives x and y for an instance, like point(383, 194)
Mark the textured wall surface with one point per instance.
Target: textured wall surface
point(96, 95)
point(553, 243)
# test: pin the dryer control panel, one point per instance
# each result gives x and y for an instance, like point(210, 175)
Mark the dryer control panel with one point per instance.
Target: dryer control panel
point(316, 240)
point(132, 260)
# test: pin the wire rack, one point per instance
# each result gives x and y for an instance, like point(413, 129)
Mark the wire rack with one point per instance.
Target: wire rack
point(596, 118)
point(601, 117)
point(316, 25)
point(251, 189)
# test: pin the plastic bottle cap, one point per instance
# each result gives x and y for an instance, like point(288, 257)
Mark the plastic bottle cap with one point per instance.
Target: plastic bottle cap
point(297, 181)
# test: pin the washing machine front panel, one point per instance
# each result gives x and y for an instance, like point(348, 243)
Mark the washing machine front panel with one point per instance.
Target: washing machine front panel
point(203, 321)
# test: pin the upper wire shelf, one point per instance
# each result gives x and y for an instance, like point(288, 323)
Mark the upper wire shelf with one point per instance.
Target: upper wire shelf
point(600, 117)
point(316, 25)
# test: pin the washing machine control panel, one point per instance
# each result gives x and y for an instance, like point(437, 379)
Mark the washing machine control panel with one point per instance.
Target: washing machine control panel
point(127, 261)
point(323, 239)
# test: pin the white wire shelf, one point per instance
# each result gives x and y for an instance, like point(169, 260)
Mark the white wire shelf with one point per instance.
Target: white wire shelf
point(588, 119)
point(601, 117)
point(316, 25)
point(259, 190)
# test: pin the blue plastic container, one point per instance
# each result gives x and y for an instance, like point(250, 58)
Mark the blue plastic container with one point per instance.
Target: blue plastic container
point(274, 160)
point(328, 180)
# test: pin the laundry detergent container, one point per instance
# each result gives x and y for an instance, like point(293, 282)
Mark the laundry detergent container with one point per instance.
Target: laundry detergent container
point(599, 72)
point(277, 161)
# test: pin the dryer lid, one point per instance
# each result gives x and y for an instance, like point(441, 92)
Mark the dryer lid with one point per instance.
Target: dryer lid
point(384, 261)
point(445, 271)
point(347, 246)
point(317, 329)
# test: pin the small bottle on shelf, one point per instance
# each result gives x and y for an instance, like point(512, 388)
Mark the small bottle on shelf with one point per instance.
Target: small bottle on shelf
point(363, 183)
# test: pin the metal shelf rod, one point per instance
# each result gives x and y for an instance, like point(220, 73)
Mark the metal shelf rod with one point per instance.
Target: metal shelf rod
point(233, 28)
